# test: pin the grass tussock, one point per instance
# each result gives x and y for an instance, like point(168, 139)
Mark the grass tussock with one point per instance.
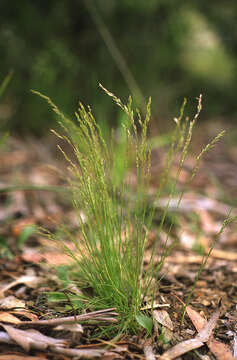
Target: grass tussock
point(114, 217)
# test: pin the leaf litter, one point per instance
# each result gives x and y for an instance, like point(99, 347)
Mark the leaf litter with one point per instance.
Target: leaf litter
point(23, 305)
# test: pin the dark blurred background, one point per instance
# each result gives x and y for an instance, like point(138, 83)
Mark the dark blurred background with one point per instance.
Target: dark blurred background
point(169, 49)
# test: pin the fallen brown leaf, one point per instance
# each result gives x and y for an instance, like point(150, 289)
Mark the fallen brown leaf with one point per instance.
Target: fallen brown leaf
point(9, 318)
point(26, 313)
point(29, 280)
point(199, 340)
point(197, 320)
point(56, 259)
point(11, 302)
point(206, 331)
point(219, 349)
point(32, 255)
point(162, 317)
point(32, 339)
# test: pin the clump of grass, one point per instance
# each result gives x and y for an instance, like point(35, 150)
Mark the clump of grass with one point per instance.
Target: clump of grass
point(109, 252)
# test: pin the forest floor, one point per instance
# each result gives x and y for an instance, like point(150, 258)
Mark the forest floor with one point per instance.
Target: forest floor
point(29, 264)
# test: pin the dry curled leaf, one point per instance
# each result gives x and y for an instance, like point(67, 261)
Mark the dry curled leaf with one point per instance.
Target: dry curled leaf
point(11, 302)
point(32, 339)
point(31, 281)
point(26, 313)
point(9, 318)
point(162, 317)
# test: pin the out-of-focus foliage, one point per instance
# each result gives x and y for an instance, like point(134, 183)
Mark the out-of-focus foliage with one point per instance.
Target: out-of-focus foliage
point(3, 86)
point(172, 49)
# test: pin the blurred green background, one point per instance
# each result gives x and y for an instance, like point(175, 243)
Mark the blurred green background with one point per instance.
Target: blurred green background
point(169, 49)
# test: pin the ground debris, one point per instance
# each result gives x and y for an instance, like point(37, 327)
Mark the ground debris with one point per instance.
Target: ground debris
point(27, 269)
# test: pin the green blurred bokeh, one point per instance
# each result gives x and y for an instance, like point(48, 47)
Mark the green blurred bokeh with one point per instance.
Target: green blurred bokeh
point(169, 49)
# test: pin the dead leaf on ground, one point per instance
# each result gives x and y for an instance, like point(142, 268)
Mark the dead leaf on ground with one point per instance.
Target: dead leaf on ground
point(162, 317)
point(219, 349)
point(11, 302)
point(56, 259)
point(32, 255)
point(191, 344)
point(32, 339)
point(29, 280)
point(9, 318)
point(26, 313)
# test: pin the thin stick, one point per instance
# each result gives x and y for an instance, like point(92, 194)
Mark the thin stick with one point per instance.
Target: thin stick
point(95, 315)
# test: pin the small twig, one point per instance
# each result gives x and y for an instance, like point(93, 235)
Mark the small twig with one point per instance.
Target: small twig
point(95, 315)
point(79, 353)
